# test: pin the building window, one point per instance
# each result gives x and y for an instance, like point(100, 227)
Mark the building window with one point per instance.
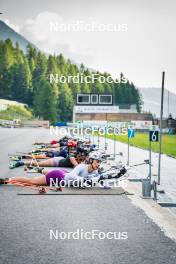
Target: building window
point(105, 99)
point(83, 99)
point(94, 99)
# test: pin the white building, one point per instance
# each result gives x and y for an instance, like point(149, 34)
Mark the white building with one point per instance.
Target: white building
point(5, 103)
point(99, 108)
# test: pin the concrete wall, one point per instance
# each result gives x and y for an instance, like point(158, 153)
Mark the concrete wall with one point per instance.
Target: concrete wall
point(35, 123)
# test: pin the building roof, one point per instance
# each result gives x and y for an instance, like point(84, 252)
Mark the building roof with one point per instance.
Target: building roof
point(10, 102)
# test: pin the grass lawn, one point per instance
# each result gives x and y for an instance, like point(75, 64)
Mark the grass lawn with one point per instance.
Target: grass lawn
point(142, 140)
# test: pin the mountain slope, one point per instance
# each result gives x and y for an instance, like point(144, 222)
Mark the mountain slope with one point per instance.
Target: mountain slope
point(152, 101)
point(151, 96)
point(7, 32)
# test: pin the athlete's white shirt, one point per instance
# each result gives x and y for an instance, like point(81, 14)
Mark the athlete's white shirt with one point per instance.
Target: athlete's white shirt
point(80, 171)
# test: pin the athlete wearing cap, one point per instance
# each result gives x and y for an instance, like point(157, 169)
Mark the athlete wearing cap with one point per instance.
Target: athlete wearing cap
point(89, 170)
point(70, 161)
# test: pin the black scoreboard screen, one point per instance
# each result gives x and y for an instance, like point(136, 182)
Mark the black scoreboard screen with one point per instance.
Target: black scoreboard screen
point(94, 99)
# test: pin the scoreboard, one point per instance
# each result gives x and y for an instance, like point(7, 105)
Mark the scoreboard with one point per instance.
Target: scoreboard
point(94, 99)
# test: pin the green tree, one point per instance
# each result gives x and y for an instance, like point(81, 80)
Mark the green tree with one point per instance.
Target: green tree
point(6, 62)
point(31, 57)
point(21, 79)
point(65, 102)
point(40, 70)
point(22, 76)
point(45, 101)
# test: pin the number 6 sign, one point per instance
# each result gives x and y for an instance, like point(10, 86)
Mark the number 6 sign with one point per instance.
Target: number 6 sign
point(153, 136)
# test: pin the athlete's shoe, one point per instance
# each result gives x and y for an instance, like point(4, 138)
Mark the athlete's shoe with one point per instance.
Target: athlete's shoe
point(15, 158)
point(39, 170)
point(3, 181)
point(12, 165)
point(16, 164)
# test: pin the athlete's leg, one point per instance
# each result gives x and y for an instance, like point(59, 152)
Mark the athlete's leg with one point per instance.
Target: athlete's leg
point(40, 156)
point(57, 145)
point(41, 180)
point(44, 163)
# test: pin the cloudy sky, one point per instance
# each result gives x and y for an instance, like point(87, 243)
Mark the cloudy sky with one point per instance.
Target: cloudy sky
point(136, 37)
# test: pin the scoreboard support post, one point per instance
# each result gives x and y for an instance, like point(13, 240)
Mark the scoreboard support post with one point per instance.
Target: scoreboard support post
point(114, 145)
point(98, 137)
point(161, 118)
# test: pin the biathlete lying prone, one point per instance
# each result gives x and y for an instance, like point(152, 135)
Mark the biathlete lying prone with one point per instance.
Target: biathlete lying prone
point(63, 151)
point(82, 171)
point(56, 143)
point(70, 161)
